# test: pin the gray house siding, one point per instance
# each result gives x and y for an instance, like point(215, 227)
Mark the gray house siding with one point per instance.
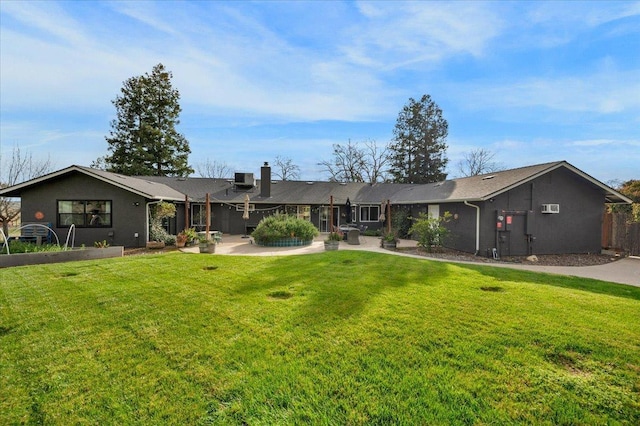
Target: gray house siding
point(578, 226)
point(576, 229)
point(127, 217)
point(224, 218)
point(462, 227)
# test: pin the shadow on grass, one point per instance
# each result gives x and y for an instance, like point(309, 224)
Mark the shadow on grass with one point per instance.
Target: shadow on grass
point(338, 285)
point(564, 281)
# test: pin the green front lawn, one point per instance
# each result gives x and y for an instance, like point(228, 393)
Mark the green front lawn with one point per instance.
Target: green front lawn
point(332, 338)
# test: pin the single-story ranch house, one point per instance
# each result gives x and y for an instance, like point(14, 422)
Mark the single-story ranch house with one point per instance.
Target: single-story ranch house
point(542, 209)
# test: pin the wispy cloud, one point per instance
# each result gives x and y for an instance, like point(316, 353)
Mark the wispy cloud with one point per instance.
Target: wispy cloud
point(602, 92)
point(605, 142)
point(49, 21)
point(400, 34)
point(550, 24)
point(145, 13)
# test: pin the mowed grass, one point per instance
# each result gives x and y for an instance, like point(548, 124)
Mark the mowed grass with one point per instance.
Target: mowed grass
point(332, 338)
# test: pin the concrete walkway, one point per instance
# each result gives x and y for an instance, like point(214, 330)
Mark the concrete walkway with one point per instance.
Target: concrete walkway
point(624, 271)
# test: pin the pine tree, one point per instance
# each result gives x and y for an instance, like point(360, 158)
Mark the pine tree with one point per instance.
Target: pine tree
point(418, 150)
point(143, 139)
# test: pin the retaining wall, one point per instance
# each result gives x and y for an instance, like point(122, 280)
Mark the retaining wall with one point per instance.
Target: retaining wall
point(20, 259)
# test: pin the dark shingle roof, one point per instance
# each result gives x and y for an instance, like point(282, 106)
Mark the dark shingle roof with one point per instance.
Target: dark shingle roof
point(136, 185)
point(475, 188)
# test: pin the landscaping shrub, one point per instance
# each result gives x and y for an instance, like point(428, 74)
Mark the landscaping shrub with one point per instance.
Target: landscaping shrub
point(159, 213)
point(401, 221)
point(431, 231)
point(281, 226)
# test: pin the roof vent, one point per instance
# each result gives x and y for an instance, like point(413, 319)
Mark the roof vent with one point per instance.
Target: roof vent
point(488, 177)
point(309, 183)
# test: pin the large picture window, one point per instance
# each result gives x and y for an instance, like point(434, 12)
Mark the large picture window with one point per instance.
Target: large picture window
point(301, 212)
point(199, 217)
point(84, 214)
point(369, 213)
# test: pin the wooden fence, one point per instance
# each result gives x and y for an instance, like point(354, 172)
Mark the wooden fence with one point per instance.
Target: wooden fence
point(618, 233)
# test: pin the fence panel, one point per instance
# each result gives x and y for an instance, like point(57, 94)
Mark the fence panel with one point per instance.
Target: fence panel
point(618, 233)
point(607, 230)
point(633, 238)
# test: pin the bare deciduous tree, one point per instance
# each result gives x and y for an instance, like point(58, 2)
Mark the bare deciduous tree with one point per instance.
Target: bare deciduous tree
point(376, 162)
point(352, 163)
point(477, 162)
point(213, 169)
point(346, 164)
point(17, 169)
point(285, 169)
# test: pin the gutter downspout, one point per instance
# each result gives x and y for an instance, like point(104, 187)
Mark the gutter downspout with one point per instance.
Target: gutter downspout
point(477, 225)
point(147, 214)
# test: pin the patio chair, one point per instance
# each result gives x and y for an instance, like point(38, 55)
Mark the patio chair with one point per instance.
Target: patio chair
point(353, 237)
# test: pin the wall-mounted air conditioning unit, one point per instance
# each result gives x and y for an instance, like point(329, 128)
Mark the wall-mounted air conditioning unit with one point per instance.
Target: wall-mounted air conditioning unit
point(551, 208)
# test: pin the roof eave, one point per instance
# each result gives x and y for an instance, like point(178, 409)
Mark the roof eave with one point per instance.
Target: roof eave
point(15, 191)
point(439, 201)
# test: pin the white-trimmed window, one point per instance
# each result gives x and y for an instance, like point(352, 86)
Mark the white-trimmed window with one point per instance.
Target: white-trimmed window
point(301, 212)
point(84, 214)
point(199, 216)
point(369, 213)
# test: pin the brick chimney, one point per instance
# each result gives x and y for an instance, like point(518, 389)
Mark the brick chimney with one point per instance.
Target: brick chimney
point(265, 181)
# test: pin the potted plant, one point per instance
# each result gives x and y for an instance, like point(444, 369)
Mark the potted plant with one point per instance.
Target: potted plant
point(332, 242)
point(190, 236)
point(206, 245)
point(181, 239)
point(389, 240)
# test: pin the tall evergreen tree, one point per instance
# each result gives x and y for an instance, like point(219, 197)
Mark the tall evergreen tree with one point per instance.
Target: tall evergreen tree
point(418, 149)
point(143, 139)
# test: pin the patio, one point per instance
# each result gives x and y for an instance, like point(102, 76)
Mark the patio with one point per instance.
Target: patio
point(236, 245)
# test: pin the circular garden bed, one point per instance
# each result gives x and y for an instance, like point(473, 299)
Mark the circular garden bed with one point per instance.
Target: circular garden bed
point(285, 242)
point(281, 230)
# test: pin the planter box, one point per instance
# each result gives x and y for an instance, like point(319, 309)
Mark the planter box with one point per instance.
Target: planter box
point(207, 247)
point(155, 245)
point(20, 259)
point(331, 245)
point(389, 245)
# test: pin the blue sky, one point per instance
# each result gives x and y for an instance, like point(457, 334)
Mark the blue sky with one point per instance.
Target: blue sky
point(530, 81)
